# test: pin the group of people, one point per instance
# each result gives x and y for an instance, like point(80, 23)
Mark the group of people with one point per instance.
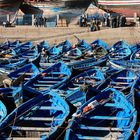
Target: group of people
point(110, 20)
point(40, 21)
point(83, 21)
point(94, 23)
point(115, 21)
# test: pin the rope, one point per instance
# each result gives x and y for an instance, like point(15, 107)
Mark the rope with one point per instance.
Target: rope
point(13, 124)
point(62, 132)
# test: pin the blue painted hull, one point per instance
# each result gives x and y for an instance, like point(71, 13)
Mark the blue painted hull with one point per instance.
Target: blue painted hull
point(105, 116)
point(42, 115)
point(30, 71)
point(76, 89)
point(124, 81)
point(50, 78)
point(119, 51)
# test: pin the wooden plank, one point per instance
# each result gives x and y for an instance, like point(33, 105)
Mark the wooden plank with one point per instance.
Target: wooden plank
point(29, 54)
point(94, 137)
point(26, 73)
point(127, 78)
point(50, 108)
point(102, 128)
point(46, 64)
point(113, 105)
point(47, 82)
point(109, 118)
point(30, 128)
point(42, 85)
point(49, 78)
point(122, 83)
point(26, 78)
point(22, 138)
point(121, 87)
point(41, 119)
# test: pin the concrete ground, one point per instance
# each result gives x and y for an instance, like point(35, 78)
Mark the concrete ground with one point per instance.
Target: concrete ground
point(56, 35)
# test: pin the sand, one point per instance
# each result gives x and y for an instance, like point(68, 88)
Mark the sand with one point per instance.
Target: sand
point(56, 35)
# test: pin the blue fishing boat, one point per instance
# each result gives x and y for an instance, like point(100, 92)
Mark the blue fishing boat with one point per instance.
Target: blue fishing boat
point(31, 54)
point(99, 50)
point(9, 44)
point(135, 47)
point(40, 117)
point(72, 55)
point(87, 64)
point(108, 70)
point(106, 116)
point(99, 43)
point(54, 51)
point(7, 53)
point(14, 44)
point(119, 51)
point(50, 78)
point(54, 54)
point(137, 136)
point(12, 64)
point(126, 64)
point(68, 58)
point(83, 46)
point(66, 46)
point(43, 44)
point(23, 47)
point(124, 81)
point(30, 71)
point(76, 88)
point(91, 58)
point(79, 60)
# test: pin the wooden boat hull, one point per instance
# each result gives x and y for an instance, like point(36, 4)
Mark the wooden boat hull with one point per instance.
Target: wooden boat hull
point(13, 64)
point(42, 116)
point(124, 81)
point(95, 123)
point(128, 64)
point(30, 71)
point(119, 51)
point(87, 64)
point(50, 78)
point(75, 90)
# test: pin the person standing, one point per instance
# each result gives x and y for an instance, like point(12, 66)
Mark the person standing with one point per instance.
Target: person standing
point(80, 21)
point(45, 22)
point(83, 21)
point(111, 21)
point(98, 24)
point(117, 21)
point(92, 25)
point(123, 21)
